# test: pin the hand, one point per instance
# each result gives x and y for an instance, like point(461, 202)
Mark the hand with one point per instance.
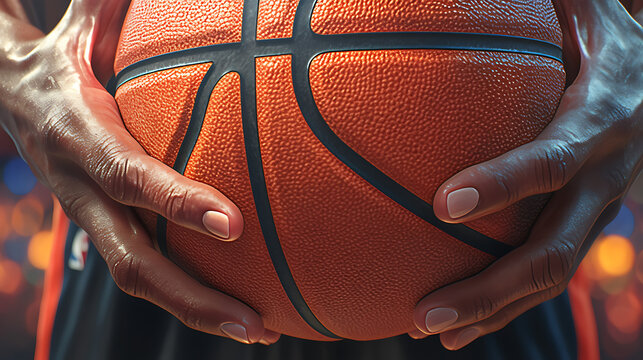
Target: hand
point(68, 128)
point(588, 157)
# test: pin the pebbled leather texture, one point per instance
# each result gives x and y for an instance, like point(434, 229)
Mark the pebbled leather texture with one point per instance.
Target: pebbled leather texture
point(155, 27)
point(241, 268)
point(534, 19)
point(156, 108)
point(276, 19)
point(360, 260)
point(420, 116)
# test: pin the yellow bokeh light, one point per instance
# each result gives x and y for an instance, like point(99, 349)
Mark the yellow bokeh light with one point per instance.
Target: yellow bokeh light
point(615, 255)
point(27, 216)
point(40, 249)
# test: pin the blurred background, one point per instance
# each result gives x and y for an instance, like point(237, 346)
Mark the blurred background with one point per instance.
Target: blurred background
point(613, 268)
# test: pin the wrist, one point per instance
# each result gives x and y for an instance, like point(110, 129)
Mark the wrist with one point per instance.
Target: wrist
point(609, 41)
point(603, 25)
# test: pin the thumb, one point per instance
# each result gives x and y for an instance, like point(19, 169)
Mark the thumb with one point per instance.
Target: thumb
point(539, 167)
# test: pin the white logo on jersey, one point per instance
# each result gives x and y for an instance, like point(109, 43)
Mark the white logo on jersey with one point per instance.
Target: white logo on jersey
point(79, 247)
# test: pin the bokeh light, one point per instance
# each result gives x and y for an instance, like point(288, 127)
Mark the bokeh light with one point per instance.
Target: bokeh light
point(615, 255)
point(31, 274)
point(624, 312)
point(5, 223)
point(623, 224)
point(612, 285)
point(27, 216)
point(639, 267)
point(613, 267)
point(39, 249)
point(10, 277)
point(15, 249)
point(18, 177)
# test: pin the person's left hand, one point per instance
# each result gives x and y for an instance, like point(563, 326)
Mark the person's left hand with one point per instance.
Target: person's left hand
point(588, 156)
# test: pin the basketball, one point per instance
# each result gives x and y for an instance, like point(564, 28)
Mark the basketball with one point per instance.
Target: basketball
point(331, 124)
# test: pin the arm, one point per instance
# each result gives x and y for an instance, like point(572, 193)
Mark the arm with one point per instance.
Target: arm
point(588, 157)
point(68, 128)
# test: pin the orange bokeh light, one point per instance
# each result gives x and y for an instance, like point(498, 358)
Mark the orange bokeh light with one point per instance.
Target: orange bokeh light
point(27, 216)
point(10, 277)
point(5, 224)
point(639, 267)
point(615, 255)
point(40, 249)
point(624, 312)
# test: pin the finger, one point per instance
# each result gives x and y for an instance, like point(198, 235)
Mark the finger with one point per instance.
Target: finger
point(545, 261)
point(139, 270)
point(461, 337)
point(130, 176)
point(270, 337)
point(541, 166)
point(417, 334)
point(135, 179)
point(535, 168)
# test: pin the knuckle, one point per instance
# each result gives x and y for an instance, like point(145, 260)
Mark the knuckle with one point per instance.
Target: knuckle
point(55, 131)
point(511, 192)
point(175, 201)
point(125, 270)
point(552, 267)
point(617, 180)
point(119, 176)
point(553, 166)
point(73, 204)
point(484, 307)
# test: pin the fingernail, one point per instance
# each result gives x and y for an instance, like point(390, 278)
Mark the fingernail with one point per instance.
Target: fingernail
point(461, 202)
point(466, 337)
point(236, 332)
point(440, 318)
point(217, 223)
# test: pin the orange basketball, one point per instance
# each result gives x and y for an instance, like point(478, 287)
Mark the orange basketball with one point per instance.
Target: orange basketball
point(331, 124)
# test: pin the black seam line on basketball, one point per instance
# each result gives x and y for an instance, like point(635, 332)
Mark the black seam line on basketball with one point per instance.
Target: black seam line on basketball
point(398, 193)
point(190, 139)
point(264, 211)
point(249, 115)
point(318, 44)
point(252, 48)
point(377, 178)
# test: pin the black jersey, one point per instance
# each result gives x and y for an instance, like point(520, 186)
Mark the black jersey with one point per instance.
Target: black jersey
point(91, 318)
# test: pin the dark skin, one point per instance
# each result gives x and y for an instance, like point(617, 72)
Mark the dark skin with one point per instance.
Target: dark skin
point(70, 132)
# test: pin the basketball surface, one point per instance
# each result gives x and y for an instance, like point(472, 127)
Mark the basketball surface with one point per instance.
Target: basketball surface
point(331, 124)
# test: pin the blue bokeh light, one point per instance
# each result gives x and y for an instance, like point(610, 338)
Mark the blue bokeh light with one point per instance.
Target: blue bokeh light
point(18, 177)
point(622, 225)
point(16, 249)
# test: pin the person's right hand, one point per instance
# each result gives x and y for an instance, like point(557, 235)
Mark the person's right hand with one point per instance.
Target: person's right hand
point(68, 129)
